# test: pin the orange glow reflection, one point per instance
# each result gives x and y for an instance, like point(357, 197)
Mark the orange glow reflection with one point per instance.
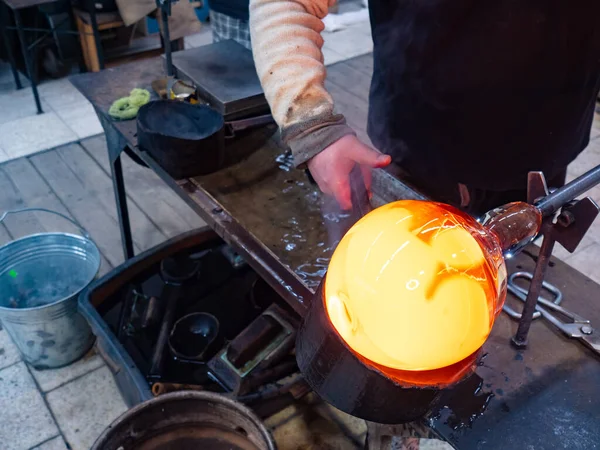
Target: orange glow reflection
point(415, 286)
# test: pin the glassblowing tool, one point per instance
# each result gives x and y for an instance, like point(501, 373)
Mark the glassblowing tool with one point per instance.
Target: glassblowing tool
point(521, 293)
point(577, 327)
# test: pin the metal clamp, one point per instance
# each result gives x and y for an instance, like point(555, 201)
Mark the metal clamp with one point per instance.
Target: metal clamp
point(521, 293)
point(82, 230)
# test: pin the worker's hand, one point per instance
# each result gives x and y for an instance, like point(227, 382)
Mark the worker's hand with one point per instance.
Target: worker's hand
point(331, 168)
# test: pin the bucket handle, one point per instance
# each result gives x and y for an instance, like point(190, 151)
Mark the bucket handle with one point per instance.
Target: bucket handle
point(82, 230)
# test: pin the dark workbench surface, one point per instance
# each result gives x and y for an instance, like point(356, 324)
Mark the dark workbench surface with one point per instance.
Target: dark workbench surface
point(541, 398)
point(22, 4)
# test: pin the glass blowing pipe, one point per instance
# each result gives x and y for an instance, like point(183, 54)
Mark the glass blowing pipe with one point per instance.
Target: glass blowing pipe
point(516, 224)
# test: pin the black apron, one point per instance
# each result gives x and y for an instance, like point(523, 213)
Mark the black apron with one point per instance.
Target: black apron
point(480, 92)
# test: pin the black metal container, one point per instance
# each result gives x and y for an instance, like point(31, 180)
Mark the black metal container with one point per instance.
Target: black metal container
point(185, 421)
point(220, 289)
point(343, 380)
point(186, 140)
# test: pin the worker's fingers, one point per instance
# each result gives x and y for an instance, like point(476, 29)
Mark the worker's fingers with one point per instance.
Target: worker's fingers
point(341, 192)
point(366, 156)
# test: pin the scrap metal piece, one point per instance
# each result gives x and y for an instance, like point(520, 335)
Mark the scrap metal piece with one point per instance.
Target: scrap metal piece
point(268, 339)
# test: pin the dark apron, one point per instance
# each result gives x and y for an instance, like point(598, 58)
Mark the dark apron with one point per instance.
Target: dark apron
point(481, 92)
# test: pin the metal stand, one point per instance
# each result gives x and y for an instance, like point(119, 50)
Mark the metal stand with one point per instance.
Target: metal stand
point(9, 48)
point(116, 144)
point(165, 12)
point(28, 62)
point(568, 229)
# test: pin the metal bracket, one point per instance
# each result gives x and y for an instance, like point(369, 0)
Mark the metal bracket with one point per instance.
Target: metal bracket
point(571, 224)
point(536, 187)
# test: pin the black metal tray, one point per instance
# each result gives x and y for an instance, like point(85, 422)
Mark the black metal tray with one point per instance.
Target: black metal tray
point(128, 358)
point(225, 76)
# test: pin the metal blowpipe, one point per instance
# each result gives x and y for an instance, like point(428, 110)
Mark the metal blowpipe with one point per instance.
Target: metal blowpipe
point(517, 224)
point(561, 196)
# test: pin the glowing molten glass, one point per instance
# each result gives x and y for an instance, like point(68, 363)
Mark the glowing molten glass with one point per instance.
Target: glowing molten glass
point(415, 286)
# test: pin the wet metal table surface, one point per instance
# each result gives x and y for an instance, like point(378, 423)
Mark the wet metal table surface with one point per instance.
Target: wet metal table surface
point(545, 397)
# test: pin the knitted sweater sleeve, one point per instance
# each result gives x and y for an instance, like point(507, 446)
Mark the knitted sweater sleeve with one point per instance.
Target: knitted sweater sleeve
point(286, 42)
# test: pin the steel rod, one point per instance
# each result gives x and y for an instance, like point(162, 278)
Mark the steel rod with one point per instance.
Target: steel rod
point(171, 296)
point(8, 43)
point(28, 64)
point(552, 202)
point(535, 288)
point(167, 40)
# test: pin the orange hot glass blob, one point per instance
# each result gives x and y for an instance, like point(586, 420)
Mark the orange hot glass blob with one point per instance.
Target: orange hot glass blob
point(415, 286)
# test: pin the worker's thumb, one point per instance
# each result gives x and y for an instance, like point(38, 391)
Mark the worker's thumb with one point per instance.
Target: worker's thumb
point(366, 156)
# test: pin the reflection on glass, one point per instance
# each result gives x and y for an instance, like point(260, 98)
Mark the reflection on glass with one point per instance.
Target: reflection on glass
point(415, 286)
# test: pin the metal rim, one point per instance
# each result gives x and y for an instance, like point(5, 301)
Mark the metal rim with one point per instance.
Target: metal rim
point(186, 395)
point(75, 293)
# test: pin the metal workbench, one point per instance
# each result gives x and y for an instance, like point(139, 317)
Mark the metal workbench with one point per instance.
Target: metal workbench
point(545, 397)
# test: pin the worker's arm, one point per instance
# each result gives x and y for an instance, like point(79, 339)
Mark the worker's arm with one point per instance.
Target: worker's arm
point(286, 43)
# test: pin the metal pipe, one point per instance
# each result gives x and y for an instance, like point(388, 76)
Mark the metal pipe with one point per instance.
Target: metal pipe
point(171, 295)
point(552, 202)
point(167, 39)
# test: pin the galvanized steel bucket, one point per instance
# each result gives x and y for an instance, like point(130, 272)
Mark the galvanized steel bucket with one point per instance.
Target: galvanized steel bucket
point(41, 276)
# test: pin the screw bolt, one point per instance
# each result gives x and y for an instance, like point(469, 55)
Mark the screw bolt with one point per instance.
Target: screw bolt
point(518, 344)
point(586, 329)
point(565, 218)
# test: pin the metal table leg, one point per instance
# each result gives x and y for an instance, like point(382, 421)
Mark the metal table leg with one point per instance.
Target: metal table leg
point(116, 144)
point(94, 22)
point(9, 49)
point(121, 199)
point(26, 57)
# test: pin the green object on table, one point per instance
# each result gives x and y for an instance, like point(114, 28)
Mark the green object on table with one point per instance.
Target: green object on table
point(126, 108)
point(139, 97)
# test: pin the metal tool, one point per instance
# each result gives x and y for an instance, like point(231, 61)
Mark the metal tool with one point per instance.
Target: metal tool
point(579, 328)
point(565, 221)
point(521, 293)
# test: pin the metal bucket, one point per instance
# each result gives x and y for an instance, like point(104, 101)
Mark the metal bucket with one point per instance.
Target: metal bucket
point(187, 420)
point(41, 277)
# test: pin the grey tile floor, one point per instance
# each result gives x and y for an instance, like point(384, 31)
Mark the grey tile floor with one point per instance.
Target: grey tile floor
point(48, 409)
